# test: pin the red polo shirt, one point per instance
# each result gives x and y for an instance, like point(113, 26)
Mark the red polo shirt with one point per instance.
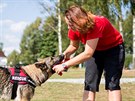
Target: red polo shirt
point(107, 34)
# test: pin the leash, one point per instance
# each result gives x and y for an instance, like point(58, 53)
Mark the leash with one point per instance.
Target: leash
point(15, 84)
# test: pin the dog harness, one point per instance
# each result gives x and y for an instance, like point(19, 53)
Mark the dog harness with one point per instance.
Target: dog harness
point(19, 77)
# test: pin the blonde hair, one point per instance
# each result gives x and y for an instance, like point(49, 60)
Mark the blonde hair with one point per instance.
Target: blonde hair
point(74, 13)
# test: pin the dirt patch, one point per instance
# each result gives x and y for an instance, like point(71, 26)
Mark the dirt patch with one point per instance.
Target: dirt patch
point(128, 73)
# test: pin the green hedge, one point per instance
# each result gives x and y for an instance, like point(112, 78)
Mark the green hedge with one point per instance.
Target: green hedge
point(128, 60)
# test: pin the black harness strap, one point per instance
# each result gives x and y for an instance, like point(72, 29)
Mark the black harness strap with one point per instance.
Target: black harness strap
point(16, 78)
point(31, 82)
point(15, 85)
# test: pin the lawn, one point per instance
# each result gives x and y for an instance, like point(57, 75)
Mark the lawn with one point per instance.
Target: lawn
point(51, 91)
point(73, 92)
point(79, 73)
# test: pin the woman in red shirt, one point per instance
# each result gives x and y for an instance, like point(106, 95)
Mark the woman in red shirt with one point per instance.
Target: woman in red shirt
point(104, 51)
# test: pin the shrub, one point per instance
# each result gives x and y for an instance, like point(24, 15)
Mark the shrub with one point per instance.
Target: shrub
point(128, 61)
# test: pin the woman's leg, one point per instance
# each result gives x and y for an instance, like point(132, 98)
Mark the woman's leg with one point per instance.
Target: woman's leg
point(114, 62)
point(114, 95)
point(88, 96)
point(92, 79)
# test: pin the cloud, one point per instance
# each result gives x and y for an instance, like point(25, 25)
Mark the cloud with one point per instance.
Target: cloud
point(2, 6)
point(9, 49)
point(6, 22)
point(11, 38)
point(11, 42)
point(18, 26)
point(11, 34)
point(14, 26)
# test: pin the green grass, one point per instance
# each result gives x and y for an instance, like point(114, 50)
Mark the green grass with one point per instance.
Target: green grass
point(71, 73)
point(52, 91)
point(79, 73)
point(73, 92)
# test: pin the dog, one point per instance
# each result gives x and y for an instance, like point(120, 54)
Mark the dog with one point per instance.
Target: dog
point(19, 83)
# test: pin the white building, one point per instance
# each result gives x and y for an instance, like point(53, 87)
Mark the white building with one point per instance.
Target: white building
point(3, 59)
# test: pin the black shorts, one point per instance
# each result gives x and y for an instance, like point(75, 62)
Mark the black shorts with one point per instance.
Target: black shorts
point(110, 62)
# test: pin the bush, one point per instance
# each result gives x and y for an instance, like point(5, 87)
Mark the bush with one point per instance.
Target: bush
point(128, 60)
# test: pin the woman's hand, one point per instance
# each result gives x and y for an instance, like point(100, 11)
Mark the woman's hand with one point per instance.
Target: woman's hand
point(58, 69)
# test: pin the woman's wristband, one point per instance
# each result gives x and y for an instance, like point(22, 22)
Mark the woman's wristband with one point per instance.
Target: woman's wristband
point(65, 67)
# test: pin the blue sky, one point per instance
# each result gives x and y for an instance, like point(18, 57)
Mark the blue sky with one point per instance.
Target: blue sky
point(15, 15)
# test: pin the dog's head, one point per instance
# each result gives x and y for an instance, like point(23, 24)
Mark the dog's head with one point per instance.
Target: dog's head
point(42, 70)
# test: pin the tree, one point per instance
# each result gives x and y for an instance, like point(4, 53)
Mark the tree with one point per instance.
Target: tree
point(37, 43)
point(50, 12)
point(133, 13)
point(13, 58)
point(116, 9)
point(50, 37)
point(49, 45)
point(40, 38)
point(59, 28)
point(1, 46)
point(29, 45)
point(127, 31)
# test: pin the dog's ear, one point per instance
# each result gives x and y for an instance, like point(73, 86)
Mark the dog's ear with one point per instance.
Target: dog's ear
point(58, 59)
point(49, 61)
point(39, 60)
point(41, 65)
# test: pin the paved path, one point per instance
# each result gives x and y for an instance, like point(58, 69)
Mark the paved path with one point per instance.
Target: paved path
point(81, 81)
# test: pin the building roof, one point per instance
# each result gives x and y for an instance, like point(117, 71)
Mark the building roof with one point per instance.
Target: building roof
point(2, 54)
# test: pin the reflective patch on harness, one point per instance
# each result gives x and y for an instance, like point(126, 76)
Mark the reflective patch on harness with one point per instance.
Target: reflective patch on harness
point(19, 78)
